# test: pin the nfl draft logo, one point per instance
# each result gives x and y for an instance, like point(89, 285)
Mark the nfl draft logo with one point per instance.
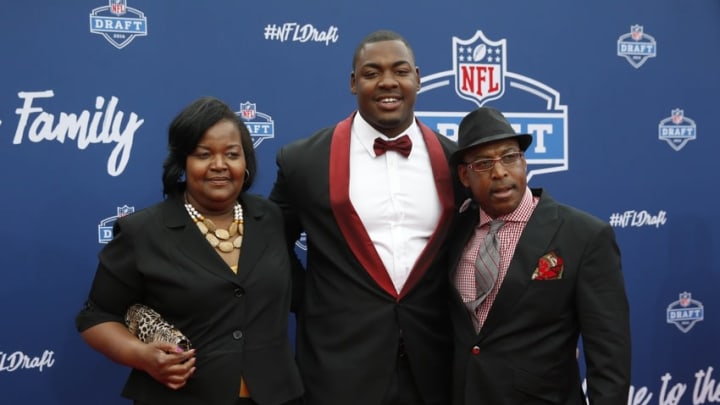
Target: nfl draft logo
point(677, 129)
point(480, 74)
point(636, 46)
point(685, 312)
point(118, 23)
point(105, 228)
point(260, 125)
point(479, 66)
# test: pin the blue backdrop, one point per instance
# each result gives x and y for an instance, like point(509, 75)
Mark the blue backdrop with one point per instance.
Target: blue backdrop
point(621, 97)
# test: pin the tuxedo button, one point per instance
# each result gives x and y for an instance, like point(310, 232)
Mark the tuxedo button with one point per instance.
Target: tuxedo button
point(476, 350)
point(237, 334)
point(239, 292)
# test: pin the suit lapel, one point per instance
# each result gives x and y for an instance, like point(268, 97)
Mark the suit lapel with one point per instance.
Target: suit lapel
point(254, 246)
point(463, 231)
point(192, 245)
point(347, 218)
point(352, 227)
point(534, 242)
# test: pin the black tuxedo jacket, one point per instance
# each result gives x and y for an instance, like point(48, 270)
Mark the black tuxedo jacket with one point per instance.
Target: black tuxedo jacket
point(237, 322)
point(526, 351)
point(351, 318)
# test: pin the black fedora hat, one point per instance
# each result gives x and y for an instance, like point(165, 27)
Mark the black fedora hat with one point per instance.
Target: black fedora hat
point(485, 125)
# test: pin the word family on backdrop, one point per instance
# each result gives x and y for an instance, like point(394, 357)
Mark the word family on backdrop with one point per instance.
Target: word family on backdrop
point(104, 125)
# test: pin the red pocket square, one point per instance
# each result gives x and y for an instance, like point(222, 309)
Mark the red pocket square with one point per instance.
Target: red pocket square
point(550, 267)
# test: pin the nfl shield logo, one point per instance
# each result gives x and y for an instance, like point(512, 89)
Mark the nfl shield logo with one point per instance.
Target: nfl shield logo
point(480, 66)
point(124, 210)
point(248, 110)
point(118, 7)
point(636, 32)
point(685, 299)
point(677, 116)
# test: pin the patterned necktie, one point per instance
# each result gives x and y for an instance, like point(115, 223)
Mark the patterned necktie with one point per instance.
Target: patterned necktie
point(402, 145)
point(487, 265)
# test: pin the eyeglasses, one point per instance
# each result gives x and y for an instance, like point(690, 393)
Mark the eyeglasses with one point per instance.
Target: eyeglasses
point(484, 165)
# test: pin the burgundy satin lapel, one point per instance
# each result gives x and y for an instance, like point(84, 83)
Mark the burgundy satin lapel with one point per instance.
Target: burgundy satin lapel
point(345, 215)
point(443, 182)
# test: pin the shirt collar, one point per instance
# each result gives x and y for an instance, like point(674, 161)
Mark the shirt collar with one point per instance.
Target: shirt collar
point(521, 214)
point(366, 134)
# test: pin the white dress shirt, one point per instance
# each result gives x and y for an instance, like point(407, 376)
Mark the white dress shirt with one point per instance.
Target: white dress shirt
point(395, 197)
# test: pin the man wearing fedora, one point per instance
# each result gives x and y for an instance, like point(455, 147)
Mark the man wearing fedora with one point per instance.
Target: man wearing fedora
point(532, 276)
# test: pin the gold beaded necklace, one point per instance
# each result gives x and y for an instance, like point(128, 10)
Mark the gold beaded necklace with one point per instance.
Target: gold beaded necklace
point(220, 239)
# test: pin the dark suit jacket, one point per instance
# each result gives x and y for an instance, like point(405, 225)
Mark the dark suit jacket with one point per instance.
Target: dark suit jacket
point(525, 352)
point(237, 322)
point(351, 318)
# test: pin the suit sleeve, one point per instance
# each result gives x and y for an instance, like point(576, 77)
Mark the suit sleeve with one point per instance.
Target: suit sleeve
point(603, 312)
point(281, 194)
point(116, 285)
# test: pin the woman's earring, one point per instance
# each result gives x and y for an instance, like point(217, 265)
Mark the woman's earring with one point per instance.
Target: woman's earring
point(247, 174)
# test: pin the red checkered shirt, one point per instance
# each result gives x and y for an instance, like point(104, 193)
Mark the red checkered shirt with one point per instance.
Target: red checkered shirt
point(507, 236)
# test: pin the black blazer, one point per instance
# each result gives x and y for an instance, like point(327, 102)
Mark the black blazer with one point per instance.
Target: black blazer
point(237, 322)
point(526, 351)
point(351, 317)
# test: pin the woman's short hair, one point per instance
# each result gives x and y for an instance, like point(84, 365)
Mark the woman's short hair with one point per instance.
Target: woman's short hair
point(185, 132)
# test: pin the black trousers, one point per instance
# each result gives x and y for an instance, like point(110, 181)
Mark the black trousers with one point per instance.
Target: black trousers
point(244, 401)
point(248, 401)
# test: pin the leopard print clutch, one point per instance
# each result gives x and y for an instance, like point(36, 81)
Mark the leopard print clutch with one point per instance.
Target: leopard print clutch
point(149, 326)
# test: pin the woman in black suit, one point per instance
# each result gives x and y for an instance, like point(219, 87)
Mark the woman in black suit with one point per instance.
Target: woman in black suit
point(210, 259)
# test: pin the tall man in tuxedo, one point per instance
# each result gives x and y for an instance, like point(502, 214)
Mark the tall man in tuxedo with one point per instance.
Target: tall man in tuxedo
point(374, 195)
point(552, 274)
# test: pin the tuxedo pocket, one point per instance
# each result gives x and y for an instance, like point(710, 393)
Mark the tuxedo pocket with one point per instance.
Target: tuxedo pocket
point(549, 284)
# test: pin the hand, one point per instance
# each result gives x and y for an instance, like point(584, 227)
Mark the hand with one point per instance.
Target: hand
point(168, 364)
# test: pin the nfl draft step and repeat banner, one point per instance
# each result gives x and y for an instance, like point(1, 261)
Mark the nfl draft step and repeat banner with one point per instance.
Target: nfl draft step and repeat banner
point(621, 98)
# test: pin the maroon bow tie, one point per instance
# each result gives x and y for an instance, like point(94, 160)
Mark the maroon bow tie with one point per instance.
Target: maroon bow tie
point(402, 145)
